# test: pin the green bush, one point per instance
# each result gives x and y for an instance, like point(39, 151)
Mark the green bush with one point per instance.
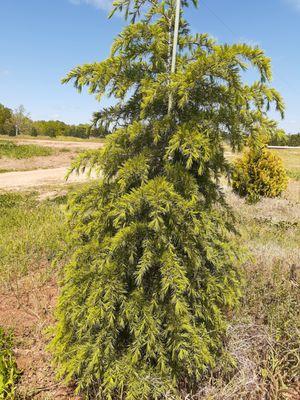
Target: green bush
point(259, 173)
point(8, 368)
point(11, 150)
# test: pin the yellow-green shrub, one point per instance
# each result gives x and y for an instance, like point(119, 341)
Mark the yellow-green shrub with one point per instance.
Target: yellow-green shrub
point(259, 173)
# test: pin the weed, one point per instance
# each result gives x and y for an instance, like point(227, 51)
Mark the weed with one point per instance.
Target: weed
point(8, 369)
point(294, 175)
point(31, 233)
point(11, 150)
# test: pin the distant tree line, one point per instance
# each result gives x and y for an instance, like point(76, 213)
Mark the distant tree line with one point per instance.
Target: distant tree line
point(286, 140)
point(18, 122)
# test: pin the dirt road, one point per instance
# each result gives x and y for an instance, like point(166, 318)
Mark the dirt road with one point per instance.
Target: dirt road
point(43, 171)
point(61, 144)
point(19, 180)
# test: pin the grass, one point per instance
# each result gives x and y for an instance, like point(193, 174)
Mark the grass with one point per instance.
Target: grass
point(32, 236)
point(291, 160)
point(295, 175)
point(8, 369)
point(11, 150)
point(56, 139)
point(31, 233)
point(262, 358)
point(263, 338)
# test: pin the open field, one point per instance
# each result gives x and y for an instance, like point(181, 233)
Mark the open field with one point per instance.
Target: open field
point(63, 152)
point(263, 335)
point(32, 237)
point(53, 144)
point(36, 170)
point(291, 159)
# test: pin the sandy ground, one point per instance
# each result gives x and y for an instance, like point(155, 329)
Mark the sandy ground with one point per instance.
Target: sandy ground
point(43, 171)
point(40, 177)
point(56, 160)
point(27, 306)
point(60, 144)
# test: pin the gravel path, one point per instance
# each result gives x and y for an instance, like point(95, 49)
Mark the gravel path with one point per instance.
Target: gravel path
point(40, 177)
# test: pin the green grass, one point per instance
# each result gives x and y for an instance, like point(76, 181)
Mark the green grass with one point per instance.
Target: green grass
point(8, 368)
point(31, 234)
point(11, 150)
point(55, 139)
point(295, 175)
point(291, 161)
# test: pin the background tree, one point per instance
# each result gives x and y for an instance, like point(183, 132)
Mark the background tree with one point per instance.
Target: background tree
point(5, 118)
point(286, 140)
point(21, 121)
point(154, 270)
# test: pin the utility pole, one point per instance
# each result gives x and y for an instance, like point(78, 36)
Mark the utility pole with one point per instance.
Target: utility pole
point(174, 51)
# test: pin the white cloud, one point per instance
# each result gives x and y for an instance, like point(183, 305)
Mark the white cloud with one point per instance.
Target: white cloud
point(102, 4)
point(295, 3)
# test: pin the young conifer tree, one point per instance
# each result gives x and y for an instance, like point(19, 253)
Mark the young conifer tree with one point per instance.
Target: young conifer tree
point(154, 268)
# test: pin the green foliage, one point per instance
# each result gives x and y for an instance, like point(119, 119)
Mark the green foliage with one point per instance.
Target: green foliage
point(12, 150)
point(81, 131)
point(5, 117)
point(155, 267)
point(58, 128)
point(18, 122)
point(14, 122)
point(34, 132)
point(259, 173)
point(294, 140)
point(286, 140)
point(8, 368)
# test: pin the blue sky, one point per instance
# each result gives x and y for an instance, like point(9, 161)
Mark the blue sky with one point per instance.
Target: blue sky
point(41, 40)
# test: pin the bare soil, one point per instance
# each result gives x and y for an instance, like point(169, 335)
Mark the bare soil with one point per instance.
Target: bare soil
point(60, 144)
point(21, 180)
point(27, 308)
point(27, 164)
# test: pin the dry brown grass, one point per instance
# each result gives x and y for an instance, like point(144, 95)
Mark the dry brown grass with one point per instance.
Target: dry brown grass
point(264, 334)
